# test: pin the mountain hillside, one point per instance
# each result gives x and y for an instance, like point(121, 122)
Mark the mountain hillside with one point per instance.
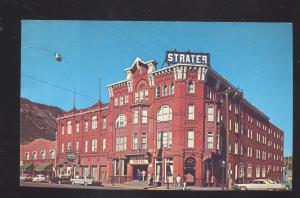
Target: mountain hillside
point(37, 121)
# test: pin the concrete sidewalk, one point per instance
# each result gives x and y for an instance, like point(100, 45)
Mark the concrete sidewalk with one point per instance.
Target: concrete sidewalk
point(147, 187)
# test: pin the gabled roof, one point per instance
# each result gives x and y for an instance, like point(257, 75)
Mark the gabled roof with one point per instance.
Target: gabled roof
point(138, 59)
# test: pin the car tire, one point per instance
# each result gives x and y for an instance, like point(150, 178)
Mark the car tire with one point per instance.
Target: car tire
point(243, 188)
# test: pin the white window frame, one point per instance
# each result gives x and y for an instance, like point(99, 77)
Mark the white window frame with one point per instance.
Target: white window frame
point(172, 88)
point(191, 111)
point(144, 116)
point(135, 117)
point(94, 123)
point(190, 138)
point(210, 113)
point(191, 87)
point(157, 92)
point(94, 145)
point(164, 90)
point(164, 113)
point(121, 121)
point(86, 146)
point(144, 141)
point(135, 141)
point(210, 140)
point(86, 126)
point(104, 123)
point(103, 144)
point(69, 127)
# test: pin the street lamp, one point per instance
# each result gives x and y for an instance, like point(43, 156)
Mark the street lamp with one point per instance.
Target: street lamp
point(57, 56)
point(223, 165)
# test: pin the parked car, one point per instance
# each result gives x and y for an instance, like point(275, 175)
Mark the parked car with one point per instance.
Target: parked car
point(25, 178)
point(61, 179)
point(260, 184)
point(86, 180)
point(287, 184)
point(39, 178)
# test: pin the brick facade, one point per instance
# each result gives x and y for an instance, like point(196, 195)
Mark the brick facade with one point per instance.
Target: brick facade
point(40, 152)
point(169, 122)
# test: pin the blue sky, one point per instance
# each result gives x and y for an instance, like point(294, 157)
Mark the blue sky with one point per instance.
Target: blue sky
point(257, 57)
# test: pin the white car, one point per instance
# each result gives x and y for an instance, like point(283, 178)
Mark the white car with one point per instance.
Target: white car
point(39, 178)
point(260, 184)
point(86, 180)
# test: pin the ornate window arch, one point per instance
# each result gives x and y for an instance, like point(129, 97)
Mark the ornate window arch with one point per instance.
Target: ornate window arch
point(164, 113)
point(94, 122)
point(121, 121)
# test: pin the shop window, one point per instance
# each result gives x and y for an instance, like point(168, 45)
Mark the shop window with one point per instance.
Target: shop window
point(249, 171)
point(257, 171)
point(169, 171)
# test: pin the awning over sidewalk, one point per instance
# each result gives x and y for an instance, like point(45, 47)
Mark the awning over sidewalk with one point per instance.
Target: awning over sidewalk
point(25, 166)
point(42, 167)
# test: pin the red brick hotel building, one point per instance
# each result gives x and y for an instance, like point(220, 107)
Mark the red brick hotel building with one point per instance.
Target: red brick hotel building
point(170, 121)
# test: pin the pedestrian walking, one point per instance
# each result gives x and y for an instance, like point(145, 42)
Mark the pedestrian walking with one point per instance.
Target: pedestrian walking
point(143, 175)
point(184, 181)
point(139, 174)
point(178, 181)
point(149, 179)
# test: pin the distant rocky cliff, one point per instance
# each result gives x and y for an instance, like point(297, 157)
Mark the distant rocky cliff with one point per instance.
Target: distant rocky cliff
point(37, 121)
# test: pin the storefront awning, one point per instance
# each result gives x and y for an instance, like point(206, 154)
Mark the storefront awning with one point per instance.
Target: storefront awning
point(42, 167)
point(26, 166)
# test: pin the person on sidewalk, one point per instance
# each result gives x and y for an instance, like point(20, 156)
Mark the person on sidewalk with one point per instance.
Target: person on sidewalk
point(178, 181)
point(184, 181)
point(144, 175)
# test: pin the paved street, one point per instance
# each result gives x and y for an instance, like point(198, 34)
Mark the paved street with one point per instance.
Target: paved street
point(109, 187)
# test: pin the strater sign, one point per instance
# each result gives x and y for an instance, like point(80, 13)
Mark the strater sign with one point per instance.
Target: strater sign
point(188, 58)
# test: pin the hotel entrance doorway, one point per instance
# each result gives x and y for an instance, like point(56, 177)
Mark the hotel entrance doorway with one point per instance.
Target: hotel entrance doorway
point(137, 172)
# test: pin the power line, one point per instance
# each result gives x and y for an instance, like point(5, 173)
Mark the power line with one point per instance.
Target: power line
point(76, 93)
point(57, 86)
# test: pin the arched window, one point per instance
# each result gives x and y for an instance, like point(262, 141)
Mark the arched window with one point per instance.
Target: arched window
point(34, 157)
point(43, 155)
point(94, 122)
point(121, 121)
point(164, 90)
point(164, 113)
point(191, 87)
point(52, 154)
point(69, 127)
point(171, 88)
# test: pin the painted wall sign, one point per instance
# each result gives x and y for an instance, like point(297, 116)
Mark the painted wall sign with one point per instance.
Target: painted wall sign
point(187, 58)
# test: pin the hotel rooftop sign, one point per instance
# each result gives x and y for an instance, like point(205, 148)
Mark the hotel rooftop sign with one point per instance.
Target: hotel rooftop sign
point(189, 58)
